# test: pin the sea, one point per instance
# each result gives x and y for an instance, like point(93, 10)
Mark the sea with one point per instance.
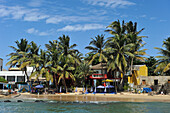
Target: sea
point(48, 106)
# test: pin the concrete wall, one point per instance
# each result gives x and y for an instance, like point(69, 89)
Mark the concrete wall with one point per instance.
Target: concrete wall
point(138, 72)
point(150, 79)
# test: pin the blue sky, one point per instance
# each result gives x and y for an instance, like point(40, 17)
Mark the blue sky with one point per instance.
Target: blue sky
point(42, 20)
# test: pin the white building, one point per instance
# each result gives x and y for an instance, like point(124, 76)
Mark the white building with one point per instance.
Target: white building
point(14, 74)
point(1, 64)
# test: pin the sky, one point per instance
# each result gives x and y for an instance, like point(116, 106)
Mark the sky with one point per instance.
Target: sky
point(42, 21)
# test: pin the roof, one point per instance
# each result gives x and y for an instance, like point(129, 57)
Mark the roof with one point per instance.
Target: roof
point(14, 69)
point(40, 78)
point(136, 67)
point(4, 69)
point(99, 66)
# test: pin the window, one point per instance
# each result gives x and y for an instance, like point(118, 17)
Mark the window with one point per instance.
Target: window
point(155, 82)
point(20, 78)
point(143, 82)
point(11, 78)
point(168, 81)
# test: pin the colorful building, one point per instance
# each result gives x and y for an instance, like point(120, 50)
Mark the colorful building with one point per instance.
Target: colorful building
point(138, 72)
point(100, 74)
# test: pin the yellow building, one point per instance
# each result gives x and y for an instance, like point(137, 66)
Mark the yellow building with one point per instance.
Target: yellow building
point(138, 72)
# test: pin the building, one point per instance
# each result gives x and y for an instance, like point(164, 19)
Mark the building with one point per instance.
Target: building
point(1, 64)
point(100, 74)
point(138, 72)
point(14, 74)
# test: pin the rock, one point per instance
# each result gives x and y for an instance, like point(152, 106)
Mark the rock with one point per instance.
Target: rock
point(39, 101)
point(19, 101)
point(7, 101)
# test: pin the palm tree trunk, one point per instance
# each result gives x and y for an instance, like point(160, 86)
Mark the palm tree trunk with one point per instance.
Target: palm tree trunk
point(131, 66)
point(56, 82)
point(115, 82)
point(25, 70)
point(65, 83)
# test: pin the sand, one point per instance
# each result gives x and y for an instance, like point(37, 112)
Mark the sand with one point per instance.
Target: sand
point(122, 97)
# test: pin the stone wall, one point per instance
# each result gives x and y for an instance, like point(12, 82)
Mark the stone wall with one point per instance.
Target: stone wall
point(150, 80)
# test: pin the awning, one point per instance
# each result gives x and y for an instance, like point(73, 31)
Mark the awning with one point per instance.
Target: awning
point(107, 80)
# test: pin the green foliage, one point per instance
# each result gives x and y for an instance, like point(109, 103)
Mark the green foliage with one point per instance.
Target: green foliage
point(163, 63)
point(2, 80)
point(126, 86)
point(151, 67)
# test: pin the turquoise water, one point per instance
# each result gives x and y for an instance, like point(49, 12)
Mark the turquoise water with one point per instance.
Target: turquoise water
point(80, 107)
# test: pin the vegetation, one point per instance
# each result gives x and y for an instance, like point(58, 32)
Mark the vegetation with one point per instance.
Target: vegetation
point(63, 65)
point(2, 80)
point(163, 63)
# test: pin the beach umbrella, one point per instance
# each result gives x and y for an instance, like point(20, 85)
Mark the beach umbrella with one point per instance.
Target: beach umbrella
point(39, 86)
point(107, 80)
point(100, 86)
point(60, 89)
point(109, 86)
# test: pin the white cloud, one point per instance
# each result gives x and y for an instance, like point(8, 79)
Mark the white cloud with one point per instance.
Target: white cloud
point(37, 32)
point(152, 18)
point(35, 3)
point(82, 27)
point(17, 12)
point(110, 3)
point(57, 19)
point(34, 16)
point(26, 14)
point(142, 16)
point(32, 31)
point(162, 20)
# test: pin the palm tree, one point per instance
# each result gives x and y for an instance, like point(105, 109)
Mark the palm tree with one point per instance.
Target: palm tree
point(20, 54)
point(42, 67)
point(163, 63)
point(132, 37)
point(97, 46)
point(67, 59)
point(54, 52)
point(117, 48)
point(84, 71)
point(118, 52)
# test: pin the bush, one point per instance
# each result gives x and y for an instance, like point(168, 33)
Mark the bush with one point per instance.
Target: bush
point(126, 86)
point(3, 80)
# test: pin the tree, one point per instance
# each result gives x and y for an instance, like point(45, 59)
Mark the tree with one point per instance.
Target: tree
point(20, 54)
point(150, 64)
point(118, 49)
point(84, 71)
point(67, 59)
point(163, 63)
point(42, 67)
point(132, 37)
point(97, 46)
point(54, 52)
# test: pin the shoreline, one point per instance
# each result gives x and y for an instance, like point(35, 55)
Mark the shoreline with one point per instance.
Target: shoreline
point(72, 97)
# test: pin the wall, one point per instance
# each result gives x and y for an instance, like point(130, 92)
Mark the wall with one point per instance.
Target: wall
point(150, 79)
point(141, 71)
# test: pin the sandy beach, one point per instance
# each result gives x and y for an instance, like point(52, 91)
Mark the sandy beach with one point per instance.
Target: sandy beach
point(123, 97)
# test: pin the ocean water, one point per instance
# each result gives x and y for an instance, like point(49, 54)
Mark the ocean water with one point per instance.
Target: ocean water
point(29, 106)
